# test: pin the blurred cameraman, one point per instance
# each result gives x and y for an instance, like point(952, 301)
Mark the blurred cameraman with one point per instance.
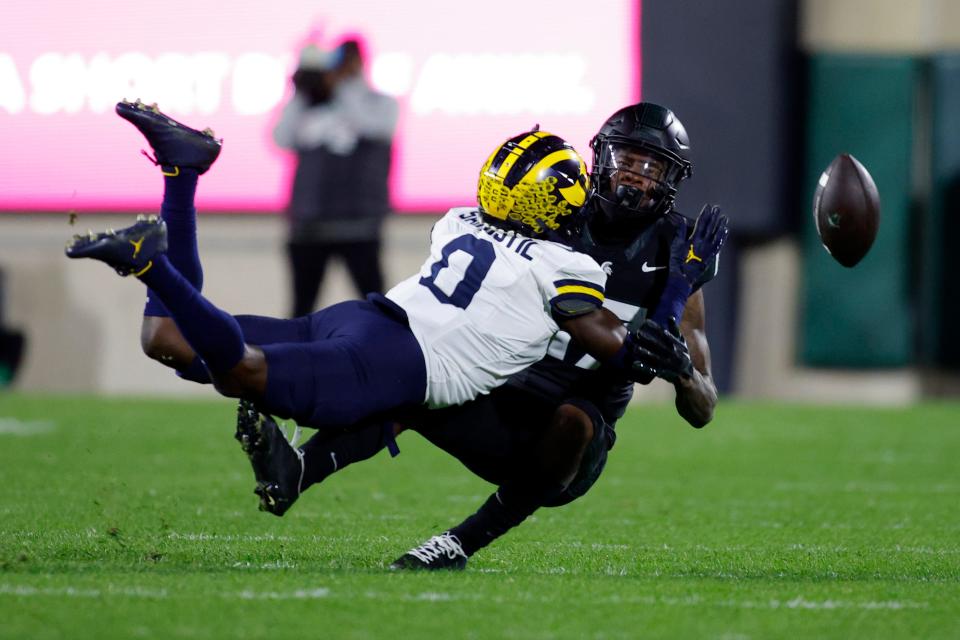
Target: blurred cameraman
point(342, 131)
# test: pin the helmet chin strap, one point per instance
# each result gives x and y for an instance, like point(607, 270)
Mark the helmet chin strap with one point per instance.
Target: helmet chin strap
point(611, 222)
point(633, 198)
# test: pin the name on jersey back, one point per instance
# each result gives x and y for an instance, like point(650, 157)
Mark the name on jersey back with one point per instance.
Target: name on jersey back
point(509, 239)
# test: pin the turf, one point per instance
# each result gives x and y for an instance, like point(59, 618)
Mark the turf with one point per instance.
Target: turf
point(135, 519)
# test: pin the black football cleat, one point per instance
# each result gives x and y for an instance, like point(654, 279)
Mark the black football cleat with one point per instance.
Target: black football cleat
point(129, 251)
point(438, 553)
point(277, 464)
point(175, 146)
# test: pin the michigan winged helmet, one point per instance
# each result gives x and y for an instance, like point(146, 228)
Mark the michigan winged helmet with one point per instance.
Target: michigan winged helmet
point(534, 182)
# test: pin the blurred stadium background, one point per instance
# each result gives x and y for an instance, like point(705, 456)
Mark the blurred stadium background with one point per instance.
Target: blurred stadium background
point(132, 517)
point(769, 90)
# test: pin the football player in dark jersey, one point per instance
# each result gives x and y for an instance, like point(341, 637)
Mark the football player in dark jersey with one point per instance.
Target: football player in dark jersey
point(543, 437)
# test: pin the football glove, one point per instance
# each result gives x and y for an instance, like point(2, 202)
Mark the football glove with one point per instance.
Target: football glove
point(653, 351)
point(664, 350)
point(691, 256)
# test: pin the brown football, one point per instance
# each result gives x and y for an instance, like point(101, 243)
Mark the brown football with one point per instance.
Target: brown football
point(846, 210)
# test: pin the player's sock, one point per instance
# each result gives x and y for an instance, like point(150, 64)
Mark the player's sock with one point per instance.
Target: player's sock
point(324, 456)
point(509, 506)
point(213, 334)
point(256, 330)
point(672, 301)
point(180, 215)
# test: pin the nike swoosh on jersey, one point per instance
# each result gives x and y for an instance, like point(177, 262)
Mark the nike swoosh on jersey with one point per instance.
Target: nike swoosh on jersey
point(648, 269)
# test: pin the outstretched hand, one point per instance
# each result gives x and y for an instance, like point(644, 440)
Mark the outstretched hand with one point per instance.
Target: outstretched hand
point(691, 255)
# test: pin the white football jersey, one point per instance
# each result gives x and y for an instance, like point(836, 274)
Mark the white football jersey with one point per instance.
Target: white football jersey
point(482, 306)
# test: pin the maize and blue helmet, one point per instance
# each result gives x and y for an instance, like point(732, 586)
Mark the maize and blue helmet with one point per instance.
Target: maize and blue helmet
point(534, 183)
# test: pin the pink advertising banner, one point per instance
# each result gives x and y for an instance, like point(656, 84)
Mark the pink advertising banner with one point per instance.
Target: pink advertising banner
point(467, 76)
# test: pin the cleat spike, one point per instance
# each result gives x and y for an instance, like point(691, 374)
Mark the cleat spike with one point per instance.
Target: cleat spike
point(277, 465)
point(175, 145)
point(209, 132)
point(141, 217)
point(147, 239)
point(125, 101)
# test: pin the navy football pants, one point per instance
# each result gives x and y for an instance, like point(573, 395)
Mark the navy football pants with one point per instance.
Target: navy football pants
point(340, 365)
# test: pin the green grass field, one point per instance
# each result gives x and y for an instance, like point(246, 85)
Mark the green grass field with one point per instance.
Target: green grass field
point(135, 519)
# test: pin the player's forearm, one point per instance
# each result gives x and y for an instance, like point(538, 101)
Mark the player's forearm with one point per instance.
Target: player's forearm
point(600, 333)
point(697, 393)
point(696, 398)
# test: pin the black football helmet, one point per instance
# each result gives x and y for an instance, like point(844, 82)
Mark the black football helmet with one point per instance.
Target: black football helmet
point(640, 155)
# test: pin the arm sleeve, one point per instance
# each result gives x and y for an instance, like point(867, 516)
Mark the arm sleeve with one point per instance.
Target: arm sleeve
point(577, 288)
point(371, 115)
point(285, 131)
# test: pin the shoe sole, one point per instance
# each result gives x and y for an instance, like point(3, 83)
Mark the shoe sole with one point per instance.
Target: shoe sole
point(403, 564)
point(268, 501)
point(147, 118)
point(251, 437)
point(91, 245)
point(248, 434)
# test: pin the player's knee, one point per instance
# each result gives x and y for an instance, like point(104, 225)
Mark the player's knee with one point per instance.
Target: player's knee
point(155, 348)
point(574, 426)
point(247, 379)
point(160, 340)
point(149, 342)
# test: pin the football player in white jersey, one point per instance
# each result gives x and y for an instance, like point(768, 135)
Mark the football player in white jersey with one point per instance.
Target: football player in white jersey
point(543, 437)
point(487, 301)
point(436, 339)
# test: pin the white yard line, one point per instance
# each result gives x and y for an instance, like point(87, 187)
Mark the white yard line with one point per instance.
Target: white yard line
point(317, 593)
point(218, 537)
point(14, 427)
point(862, 486)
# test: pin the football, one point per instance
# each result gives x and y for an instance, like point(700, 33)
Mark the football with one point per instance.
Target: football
point(846, 210)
